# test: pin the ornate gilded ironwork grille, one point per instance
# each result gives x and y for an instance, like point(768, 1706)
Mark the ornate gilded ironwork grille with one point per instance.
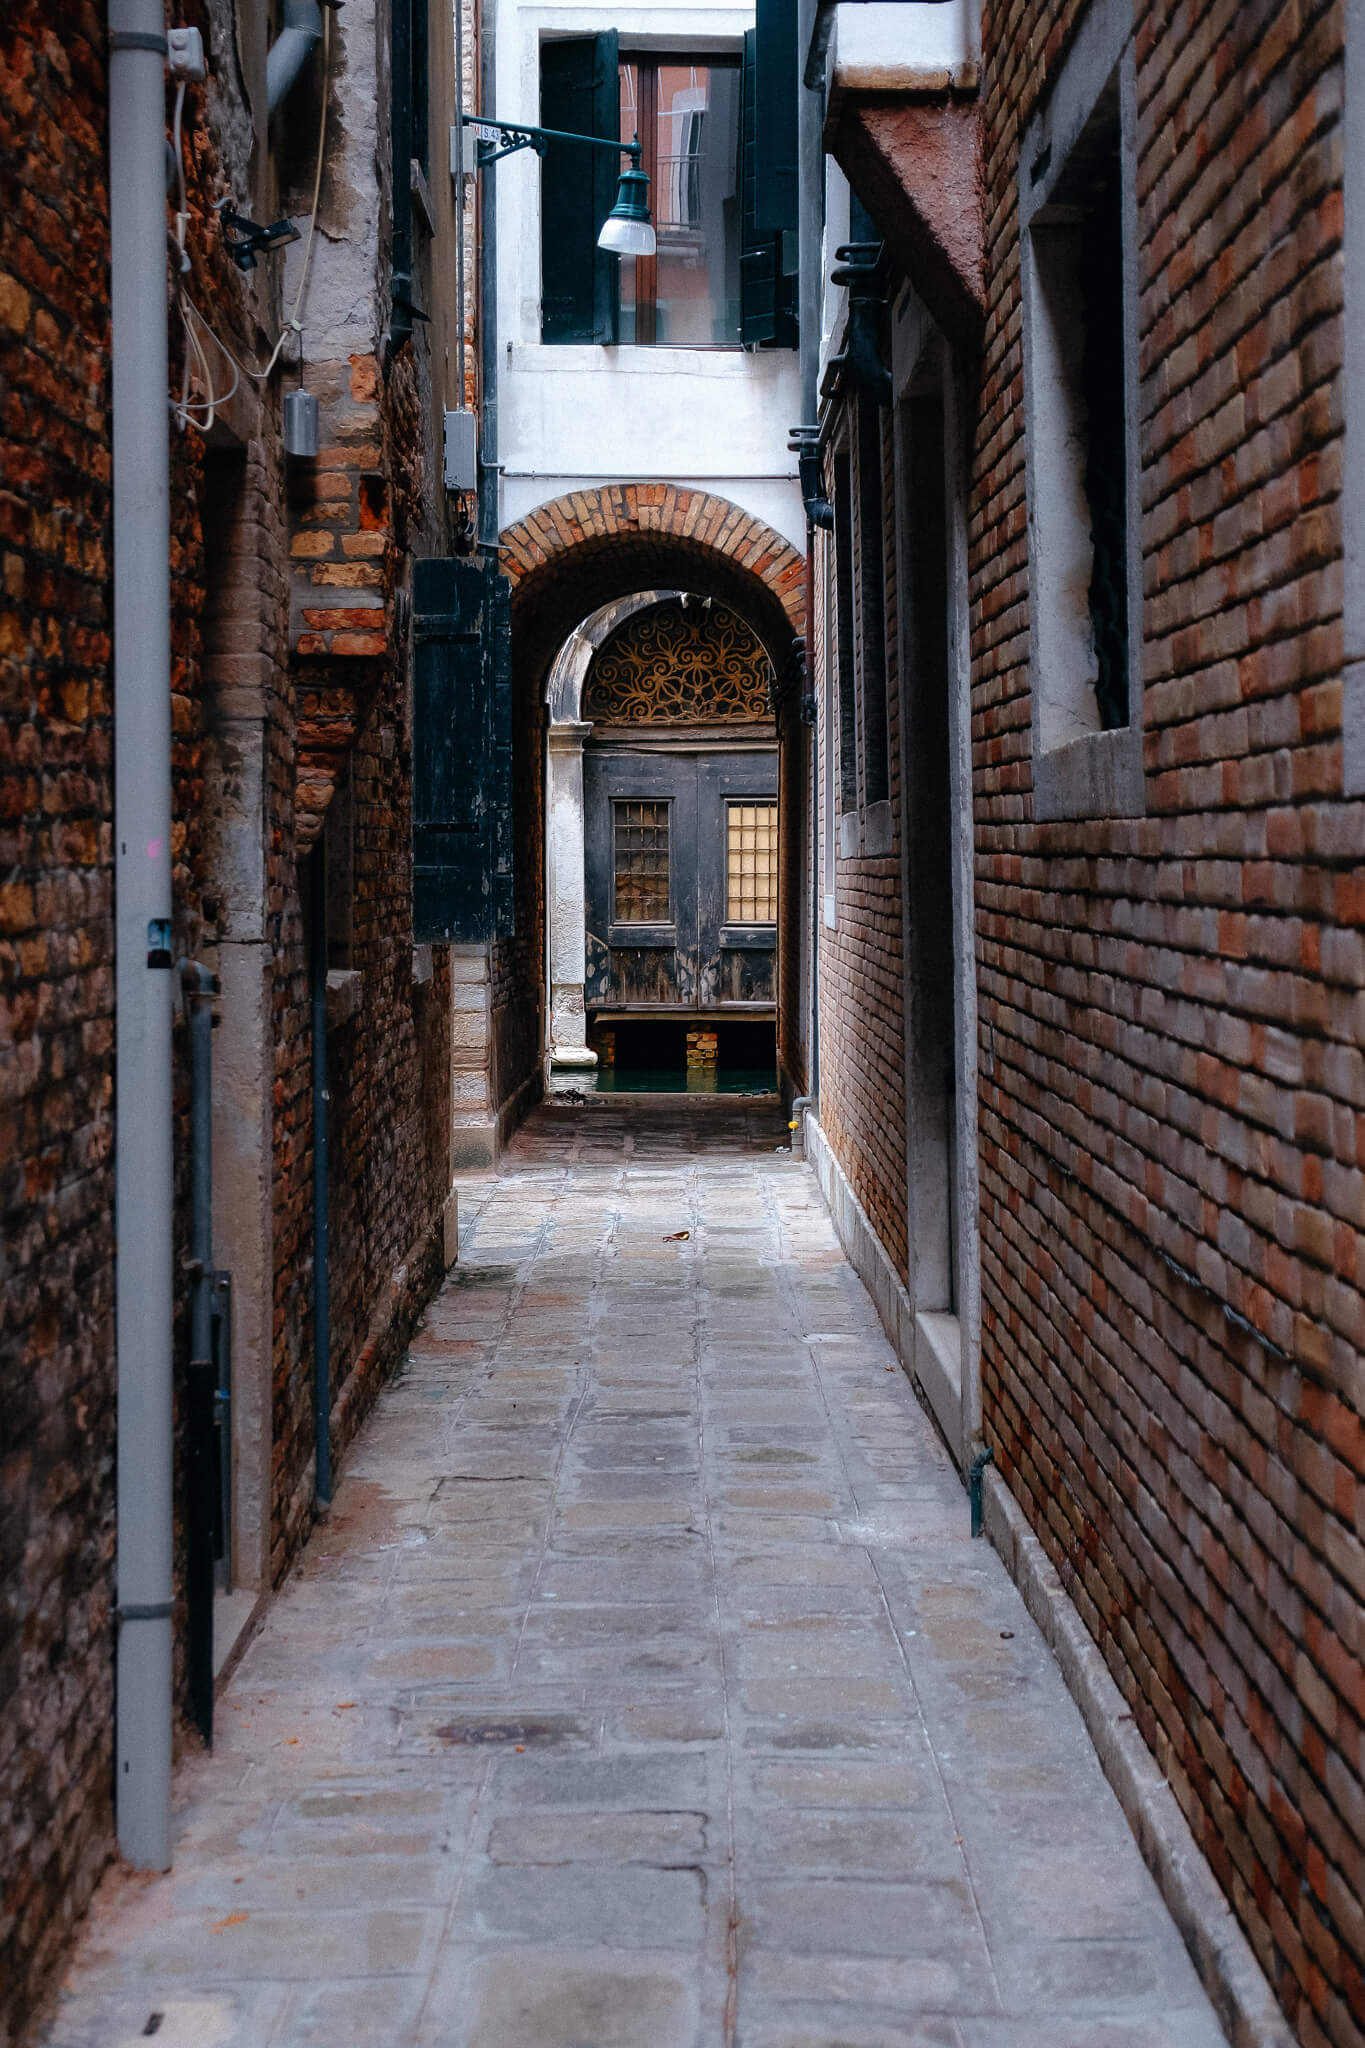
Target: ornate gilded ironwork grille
point(640, 860)
point(692, 663)
point(751, 864)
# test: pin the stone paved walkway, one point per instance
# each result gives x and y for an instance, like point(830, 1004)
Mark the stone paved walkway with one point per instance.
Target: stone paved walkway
point(645, 1688)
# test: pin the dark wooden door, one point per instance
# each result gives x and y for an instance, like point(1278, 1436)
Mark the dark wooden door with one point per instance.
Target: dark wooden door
point(681, 855)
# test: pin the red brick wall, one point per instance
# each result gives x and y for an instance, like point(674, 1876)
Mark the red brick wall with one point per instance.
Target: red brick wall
point(357, 513)
point(228, 629)
point(1171, 1120)
point(862, 984)
point(56, 991)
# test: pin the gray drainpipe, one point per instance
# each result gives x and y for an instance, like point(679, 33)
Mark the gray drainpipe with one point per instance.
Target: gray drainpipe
point(488, 291)
point(291, 49)
point(144, 984)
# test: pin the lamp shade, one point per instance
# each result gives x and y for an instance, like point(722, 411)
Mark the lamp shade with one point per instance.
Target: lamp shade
point(627, 229)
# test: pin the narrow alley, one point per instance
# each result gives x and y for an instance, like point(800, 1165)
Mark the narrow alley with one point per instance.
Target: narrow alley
point(645, 1686)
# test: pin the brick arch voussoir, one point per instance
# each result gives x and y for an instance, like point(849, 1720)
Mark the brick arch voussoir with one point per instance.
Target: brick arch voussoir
point(589, 548)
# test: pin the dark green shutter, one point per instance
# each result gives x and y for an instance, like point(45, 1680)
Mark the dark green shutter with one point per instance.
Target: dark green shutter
point(766, 301)
point(579, 283)
point(461, 757)
point(498, 643)
point(775, 108)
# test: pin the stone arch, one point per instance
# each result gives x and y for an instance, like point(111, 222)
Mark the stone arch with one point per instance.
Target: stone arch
point(583, 551)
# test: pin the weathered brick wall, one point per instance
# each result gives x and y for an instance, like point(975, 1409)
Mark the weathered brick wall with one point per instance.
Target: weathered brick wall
point(517, 964)
point(56, 1040)
point(862, 976)
point(56, 992)
point(229, 661)
point(357, 511)
point(1170, 1123)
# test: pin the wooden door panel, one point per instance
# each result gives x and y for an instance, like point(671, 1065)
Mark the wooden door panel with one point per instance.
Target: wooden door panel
point(640, 848)
point(690, 951)
point(736, 885)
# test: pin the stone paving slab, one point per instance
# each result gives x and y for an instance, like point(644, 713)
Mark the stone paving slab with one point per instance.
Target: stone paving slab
point(645, 1688)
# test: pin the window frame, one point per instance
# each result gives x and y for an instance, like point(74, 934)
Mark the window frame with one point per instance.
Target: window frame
point(1098, 773)
point(758, 927)
point(649, 930)
point(651, 58)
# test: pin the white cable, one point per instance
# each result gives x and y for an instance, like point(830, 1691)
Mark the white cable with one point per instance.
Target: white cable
point(182, 216)
point(213, 399)
point(317, 174)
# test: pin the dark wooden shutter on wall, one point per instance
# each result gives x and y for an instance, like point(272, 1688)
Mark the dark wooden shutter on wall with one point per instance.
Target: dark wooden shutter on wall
point(462, 747)
point(776, 86)
point(766, 297)
point(579, 283)
point(498, 649)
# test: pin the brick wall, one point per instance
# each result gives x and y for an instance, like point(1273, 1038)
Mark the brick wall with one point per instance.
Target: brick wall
point(1171, 1111)
point(56, 992)
point(236, 847)
point(357, 512)
point(862, 977)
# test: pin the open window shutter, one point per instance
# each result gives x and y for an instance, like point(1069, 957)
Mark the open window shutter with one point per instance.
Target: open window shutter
point(579, 283)
point(498, 643)
point(461, 800)
point(766, 315)
point(776, 86)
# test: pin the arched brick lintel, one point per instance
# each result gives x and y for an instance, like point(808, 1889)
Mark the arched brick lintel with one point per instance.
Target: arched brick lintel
point(589, 548)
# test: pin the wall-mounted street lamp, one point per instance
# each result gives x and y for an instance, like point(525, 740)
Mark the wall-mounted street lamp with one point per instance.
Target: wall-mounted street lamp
point(627, 229)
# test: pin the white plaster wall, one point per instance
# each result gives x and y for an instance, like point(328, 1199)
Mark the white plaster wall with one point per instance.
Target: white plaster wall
point(339, 311)
point(886, 42)
point(577, 417)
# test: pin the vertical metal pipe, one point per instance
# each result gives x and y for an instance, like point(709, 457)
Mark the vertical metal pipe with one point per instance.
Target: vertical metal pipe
point(199, 991)
point(810, 185)
point(142, 881)
point(322, 1297)
point(810, 218)
point(201, 1478)
point(489, 494)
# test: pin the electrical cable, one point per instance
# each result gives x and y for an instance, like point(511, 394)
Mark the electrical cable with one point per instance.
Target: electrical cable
point(209, 404)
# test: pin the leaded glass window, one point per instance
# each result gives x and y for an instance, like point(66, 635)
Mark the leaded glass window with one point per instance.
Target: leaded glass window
point(751, 864)
point(640, 862)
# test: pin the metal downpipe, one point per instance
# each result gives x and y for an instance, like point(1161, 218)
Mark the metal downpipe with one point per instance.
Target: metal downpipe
point(291, 49)
point(322, 1280)
point(810, 209)
point(143, 1190)
point(200, 987)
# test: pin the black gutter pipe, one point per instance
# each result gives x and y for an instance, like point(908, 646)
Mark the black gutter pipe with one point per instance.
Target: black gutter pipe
point(200, 987)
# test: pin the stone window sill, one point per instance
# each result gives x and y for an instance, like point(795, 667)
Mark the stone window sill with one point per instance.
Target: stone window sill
point(345, 995)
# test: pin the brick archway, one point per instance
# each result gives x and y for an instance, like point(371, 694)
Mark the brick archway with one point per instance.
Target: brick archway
point(585, 550)
point(567, 560)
